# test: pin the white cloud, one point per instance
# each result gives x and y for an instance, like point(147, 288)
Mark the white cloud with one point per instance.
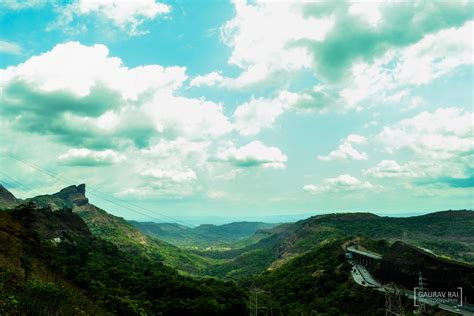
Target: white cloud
point(257, 114)
point(192, 118)
point(261, 36)
point(342, 183)
point(86, 157)
point(253, 116)
point(436, 54)
point(168, 182)
point(179, 147)
point(439, 145)
point(125, 14)
point(388, 77)
point(443, 134)
point(210, 79)
point(78, 68)
point(229, 175)
point(252, 155)
point(22, 5)
point(388, 169)
point(314, 37)
point(346, 151)
point(368, 10)
point(178, 176)
point(10, 48)
point(416, 169)
point(218, 195)
point(96, 94)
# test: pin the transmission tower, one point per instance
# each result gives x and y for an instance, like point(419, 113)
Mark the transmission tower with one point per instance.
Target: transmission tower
point(255, 308)
point(421, 289)
point(393, 300)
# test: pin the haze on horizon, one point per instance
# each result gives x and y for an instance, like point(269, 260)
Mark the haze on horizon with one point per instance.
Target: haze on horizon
point(236, 109)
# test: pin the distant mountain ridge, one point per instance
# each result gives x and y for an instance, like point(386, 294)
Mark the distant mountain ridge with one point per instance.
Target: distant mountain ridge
point(300, 266)
point(205, 235)
point(447, 233)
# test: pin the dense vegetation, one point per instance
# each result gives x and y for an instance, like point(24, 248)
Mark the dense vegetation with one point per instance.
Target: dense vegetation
point(111, 279)
point(61, 255)
point(317, 283)
point(448, 234)
point(203, 236)
point(121, 233)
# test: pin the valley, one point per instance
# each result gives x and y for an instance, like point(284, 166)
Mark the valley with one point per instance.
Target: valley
point(61, 245)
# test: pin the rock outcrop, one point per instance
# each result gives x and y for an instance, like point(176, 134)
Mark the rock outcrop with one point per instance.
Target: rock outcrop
point(74, 194)
point(7, 199)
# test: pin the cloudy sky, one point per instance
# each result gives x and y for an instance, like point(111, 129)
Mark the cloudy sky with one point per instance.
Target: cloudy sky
point(240, 109)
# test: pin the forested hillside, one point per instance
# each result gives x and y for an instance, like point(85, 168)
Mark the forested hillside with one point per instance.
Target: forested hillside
point(52, 265)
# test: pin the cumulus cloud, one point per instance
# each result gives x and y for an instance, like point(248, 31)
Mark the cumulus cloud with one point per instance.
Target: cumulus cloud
point(389, 169)
point(346, 151)
point(193, 118)
point(87, 96)
point(327, 36)
point(78, 69)
point(86, 157)
point(172, 182)
point(181, 148)
point(254, 154)
point(342, 183)
point(341, 49)
point(210, 79)
point(170, 175)
point(23, 5)
point(388, 77)
point(257, 114)
point(10, 48)
point(443, 134)
point(124, 14)
point(319, 99)
point(325, 39)
point(260, 42)
point(440, 144)
point(417, 169)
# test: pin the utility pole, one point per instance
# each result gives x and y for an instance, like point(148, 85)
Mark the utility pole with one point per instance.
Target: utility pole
point(256, 301)
point(393, 300)
point(421, 288)
point(255, 288)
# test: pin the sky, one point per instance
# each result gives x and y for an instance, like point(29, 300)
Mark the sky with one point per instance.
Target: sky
point(180, 109)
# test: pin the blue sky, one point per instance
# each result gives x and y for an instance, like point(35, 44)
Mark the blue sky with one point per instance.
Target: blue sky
point(184, 108)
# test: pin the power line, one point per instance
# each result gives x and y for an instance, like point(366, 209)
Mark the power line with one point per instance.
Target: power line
point(96, 193)
point(91, 188)
point(19, 185)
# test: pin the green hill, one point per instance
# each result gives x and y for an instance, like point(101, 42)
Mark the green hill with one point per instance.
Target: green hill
point(316, 283)
point(448, 233)
point(51, 264)
point(58, 252)
point(203, 236)
point(119, 232)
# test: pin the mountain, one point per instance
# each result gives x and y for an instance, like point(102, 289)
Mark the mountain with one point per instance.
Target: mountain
point(448, 233)
point(60, 254)
point(52, 264)
point(118, 231)
point(203, 236)
point(403, 262)
point(7, 199)
point(316, 283)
